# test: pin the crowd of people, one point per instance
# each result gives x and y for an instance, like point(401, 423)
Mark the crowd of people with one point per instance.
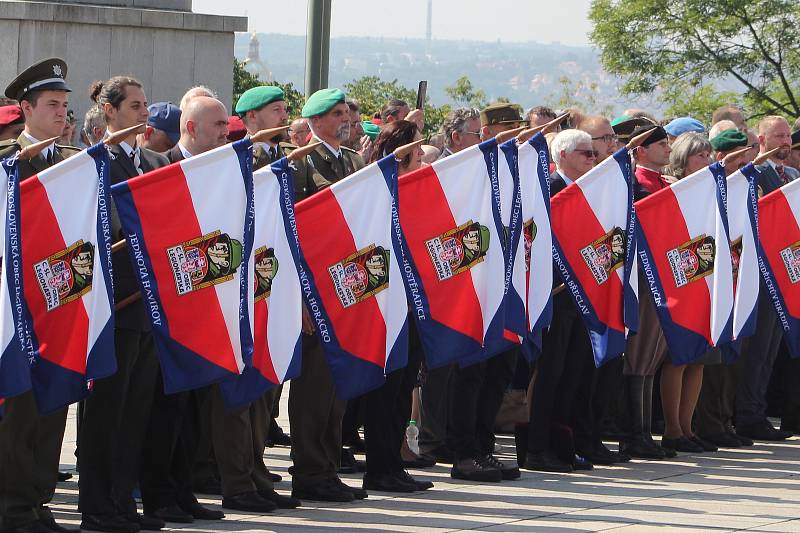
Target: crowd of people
point(135, 440)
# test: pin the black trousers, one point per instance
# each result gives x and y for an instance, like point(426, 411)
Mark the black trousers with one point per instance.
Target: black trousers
point(756, 364)
point(30, 450)
point(114, 425)
point(564, 370)
point(315, 419)
point(239, 437)
point(717, 396)
point(433, 408)
point(387, 410)
point(476, 394)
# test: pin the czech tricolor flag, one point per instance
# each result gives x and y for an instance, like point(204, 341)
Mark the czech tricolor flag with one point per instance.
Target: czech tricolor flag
point(275, 287)
point(351, 276)
point(456, 270)
point(742, 208)
point(685, 253)
point(190, 232)
point(15, 376)
point(537, 242)
point(593, 248)
point(779, 230)
point(65, 229)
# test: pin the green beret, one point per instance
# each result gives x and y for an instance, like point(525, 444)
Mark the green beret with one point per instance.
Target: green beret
point(321, 102)
point(258, 97)
point(728, 140)
point(371, 130)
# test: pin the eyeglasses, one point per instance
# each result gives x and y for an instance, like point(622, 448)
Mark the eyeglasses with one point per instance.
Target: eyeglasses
point(606, 138)
point(588, 153)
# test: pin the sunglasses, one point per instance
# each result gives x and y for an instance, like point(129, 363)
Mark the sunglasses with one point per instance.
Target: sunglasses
point(588, 153)
point(606, 138)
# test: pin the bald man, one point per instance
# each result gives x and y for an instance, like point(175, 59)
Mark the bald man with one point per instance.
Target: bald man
point(204, 126)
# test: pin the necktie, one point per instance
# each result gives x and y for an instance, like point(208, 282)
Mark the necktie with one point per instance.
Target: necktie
point(273, 153)
point(137, 163)
point(781, 174)
point(49, 157)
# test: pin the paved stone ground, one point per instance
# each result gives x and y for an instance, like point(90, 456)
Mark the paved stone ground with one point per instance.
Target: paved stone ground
point(754, 489)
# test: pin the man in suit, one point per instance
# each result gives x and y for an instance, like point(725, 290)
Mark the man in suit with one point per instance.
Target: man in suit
point(315, 413)
point(117, 412)
point(172, 432)
point(759, 356)
point(566, 364)
point(476, 391)
point(30, 444)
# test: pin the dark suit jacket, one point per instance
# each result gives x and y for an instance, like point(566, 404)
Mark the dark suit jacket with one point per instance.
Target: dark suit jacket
point(306, 179)
point(38, 163)
point(132, 316)
point(768, 179)
point(174, 154)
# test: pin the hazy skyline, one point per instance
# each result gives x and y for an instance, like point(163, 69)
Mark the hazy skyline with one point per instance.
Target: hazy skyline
point(565, 21)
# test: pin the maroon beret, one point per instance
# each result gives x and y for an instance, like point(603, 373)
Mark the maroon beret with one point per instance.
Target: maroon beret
point(10, 114)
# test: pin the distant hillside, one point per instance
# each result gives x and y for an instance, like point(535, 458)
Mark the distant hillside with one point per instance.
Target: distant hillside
point(526, 73)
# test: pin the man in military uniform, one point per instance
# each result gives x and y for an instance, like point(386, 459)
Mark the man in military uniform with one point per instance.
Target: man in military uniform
point(315, 413)
point(264, 108)
point(30, 444)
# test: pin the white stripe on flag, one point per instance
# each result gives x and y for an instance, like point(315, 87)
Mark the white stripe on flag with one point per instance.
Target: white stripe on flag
point(284, 303)
point(740, 227)
point(214, 179)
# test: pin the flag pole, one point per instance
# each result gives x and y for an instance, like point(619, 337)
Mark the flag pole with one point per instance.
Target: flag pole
point(544, 128)
point(32, 150)
point(119, 136)
point(265, 135)
point(402, 151)
point(762, 158)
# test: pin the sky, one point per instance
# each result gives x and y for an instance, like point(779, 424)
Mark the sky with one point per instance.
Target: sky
point(545, 21)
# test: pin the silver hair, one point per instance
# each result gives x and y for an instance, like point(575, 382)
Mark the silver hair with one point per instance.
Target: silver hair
point(685, 146)
point(94, 118)
point(456, 121)
point(567, 141)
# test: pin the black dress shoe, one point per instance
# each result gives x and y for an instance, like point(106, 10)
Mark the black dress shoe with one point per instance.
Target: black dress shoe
point(323, 492)
point(388, 483)
point(546, 461)
point(763, 430)
point(200, 512)
point(475, 470)
point(64, 476)
point(420, 461)
point(790, 427)
point(146, 523)
point(250, 502)
point(283, 502)
point(508, 471)
point(349, 464)
point(358, 494)
point(421, 485)
point(722, 440)
point(600, 455)
point(581, 463)
point(172, 513)
point(275, 478)
point(277, 437)
point(681, 444)
point(642, 448)
point(116, 523)
point(51, 525)
point(357, 445)
point(707, 446)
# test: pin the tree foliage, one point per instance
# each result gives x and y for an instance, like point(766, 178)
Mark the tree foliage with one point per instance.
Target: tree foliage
point(464, 94)
point(244, 80)
point(674, 46)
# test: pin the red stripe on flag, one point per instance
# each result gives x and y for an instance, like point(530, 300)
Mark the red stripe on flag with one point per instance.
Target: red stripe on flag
point(778, 230)
point(425, 214)
point(664, 226)
point(262, 359)
point(63, 333)
point(576, 226)
point(326, 239)
point(167, 217)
